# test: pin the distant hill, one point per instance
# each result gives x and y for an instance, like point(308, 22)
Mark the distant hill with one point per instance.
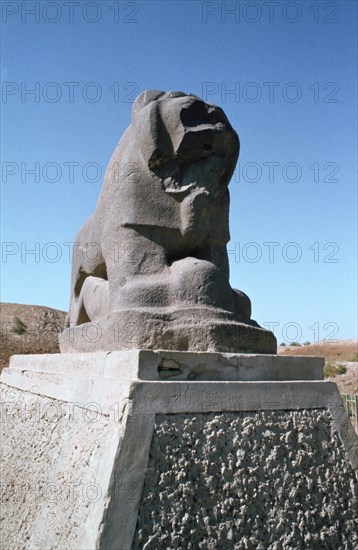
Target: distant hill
point(331, 350)
point(28, 329)
point(337, 352)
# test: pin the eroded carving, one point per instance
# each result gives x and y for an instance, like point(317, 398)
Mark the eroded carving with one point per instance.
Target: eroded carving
point(150, 265)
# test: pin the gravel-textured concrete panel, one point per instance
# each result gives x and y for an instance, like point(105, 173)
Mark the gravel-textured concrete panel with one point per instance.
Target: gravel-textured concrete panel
point(249, 480)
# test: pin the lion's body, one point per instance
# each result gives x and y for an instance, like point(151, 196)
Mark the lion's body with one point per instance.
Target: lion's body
point(155, 247)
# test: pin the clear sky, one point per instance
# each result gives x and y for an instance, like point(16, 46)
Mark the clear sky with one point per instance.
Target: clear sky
point(285, 74)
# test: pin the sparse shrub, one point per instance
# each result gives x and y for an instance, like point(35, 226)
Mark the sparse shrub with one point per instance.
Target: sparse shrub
point(18, 326)
point(354, 357)
point(306, 343)
point(330, 370)
point(295, 344)
point(283, 344)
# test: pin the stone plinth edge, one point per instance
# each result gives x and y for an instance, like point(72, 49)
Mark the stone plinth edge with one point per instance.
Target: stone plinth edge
point(143, 364)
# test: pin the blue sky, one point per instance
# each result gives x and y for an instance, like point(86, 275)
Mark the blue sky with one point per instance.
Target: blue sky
point(285, 74)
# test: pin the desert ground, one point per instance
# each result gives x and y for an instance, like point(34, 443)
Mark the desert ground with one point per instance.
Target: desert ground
point(335, 352)
point(43, 325)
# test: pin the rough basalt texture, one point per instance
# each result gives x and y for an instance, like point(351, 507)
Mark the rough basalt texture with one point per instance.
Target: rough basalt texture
point(261, 480)
point(150, 266)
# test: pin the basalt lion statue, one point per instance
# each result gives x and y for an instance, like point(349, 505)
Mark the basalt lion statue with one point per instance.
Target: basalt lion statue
point(150, 266)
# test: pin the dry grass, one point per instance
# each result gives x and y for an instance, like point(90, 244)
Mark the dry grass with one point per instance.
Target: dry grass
point(339, 352)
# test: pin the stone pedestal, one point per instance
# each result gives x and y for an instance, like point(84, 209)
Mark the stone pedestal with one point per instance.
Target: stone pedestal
point(164, 449)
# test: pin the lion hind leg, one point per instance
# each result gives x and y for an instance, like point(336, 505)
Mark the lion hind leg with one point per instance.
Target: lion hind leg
point(95, 299)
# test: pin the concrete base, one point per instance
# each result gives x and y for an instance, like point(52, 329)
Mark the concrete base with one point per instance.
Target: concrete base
point(163, 449)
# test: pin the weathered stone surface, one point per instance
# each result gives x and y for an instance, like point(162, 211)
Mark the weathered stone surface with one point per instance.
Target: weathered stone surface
point(28, 371)
point(56, 465)
point(78, 433)
point(263, 480)
point(150, 266)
